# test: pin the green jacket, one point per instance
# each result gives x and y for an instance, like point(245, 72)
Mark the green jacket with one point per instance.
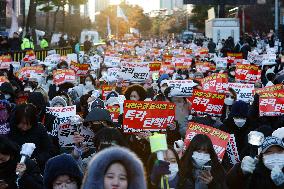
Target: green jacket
point(27, 44)
point(43, 44)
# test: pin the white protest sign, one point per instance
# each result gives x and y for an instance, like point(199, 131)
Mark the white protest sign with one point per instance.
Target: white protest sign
point(232, 150)
point(221, 63)
point(269, 59)
point(135, 71)
point(112, 61)
point(113, 74)
point(53, 59)
point(96, 61)
point(66, 134)
point(180, 88)
point(62, 115)
point(255, 58)
point(72, 58)
point(244, 91)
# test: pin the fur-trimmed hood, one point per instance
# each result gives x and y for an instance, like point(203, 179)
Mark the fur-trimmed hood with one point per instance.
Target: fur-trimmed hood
point(98, 165)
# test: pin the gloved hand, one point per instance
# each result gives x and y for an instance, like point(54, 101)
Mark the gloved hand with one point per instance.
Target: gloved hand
point(248, 164)
point(277, 176)
point(159, 169)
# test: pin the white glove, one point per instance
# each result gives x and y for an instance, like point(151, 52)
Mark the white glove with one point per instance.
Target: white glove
point(277, 176)
point(248, 164)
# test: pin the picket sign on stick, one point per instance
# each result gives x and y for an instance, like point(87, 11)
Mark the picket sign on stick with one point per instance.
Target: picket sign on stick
point(207, 103)
point(219, 138)
point(135, 71)
point(215, 82)
point(247, 73)
point(180, 88)
point(244, 91)
point(63, 76)
point(147, 116)
point(271, 103)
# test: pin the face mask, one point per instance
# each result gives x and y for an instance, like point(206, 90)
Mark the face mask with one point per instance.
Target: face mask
point(89, 83)
point(163, 89)
point(7, 96)
point(229, 101)
point(273, 160)
point(232, 73)
point(66, 186)
point(28, 89)
point(173, 167)
point(240, 122)
point(183, 76)
point(200, 158)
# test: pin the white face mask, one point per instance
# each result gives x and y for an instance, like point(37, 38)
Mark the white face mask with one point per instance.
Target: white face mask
point(240, 122)
point(183, 76)
point(28, 89)
point(89, 83)
point(7, 96)
point(173, 167)
point(273, 160)
point(229, 101)
point(66, 186)
point(200, 158)
point(163, 89)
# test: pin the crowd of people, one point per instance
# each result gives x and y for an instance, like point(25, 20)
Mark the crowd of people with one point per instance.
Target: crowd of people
point(113, 159)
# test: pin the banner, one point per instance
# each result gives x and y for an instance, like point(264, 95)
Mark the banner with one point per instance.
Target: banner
point(5, 62)
point(235, 55)
point(215, 82)
point(207, 103)
point(80, 69)
point(181, 88)
point(142, 116)
point(63, 76)
point(232, 150)
point(114, 112)
point(202, 67)
point(155, 66)
point(271, 103)
point(26, 72)
point(273, 88)
point(244, 91)
point(62, 115)
point(219, 138)
point(112, 61)
point(247, 73)
point(135, 71)
point(221, 63)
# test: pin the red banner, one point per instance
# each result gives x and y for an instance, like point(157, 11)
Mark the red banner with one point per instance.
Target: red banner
point(114, 112)
point(106, 89)
point(202, 66)
point(271, 103)
point(80, 69)
point(26, 72)
point(273, 88)
point(247, 73)
point(219, 138)
point(142, 116)
point(207, 103)
point(155, 66)
point(235, 55)
point(215, 82)
point(63, 76)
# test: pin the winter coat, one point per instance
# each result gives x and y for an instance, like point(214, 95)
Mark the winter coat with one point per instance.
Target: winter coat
point(30, 179)
point(260, 178)
point(98, 166)
point(37, 135)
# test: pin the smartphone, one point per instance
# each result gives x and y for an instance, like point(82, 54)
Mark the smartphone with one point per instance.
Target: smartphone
point(206, 168)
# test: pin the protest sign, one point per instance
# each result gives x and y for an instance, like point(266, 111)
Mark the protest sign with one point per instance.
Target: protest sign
point(202, 67)
point(106, 89)
point(207, 103)
point(247, 73)
point(232, 150)
point(269, 59)
point(244, 91)
point(114, 112)
point(112, 61)
point(155, 66)
point(235, 55)
point(80, 69)
point(271, 103)
point(141, 116)
point(219, 138)
point(26, 72)
point(135, 71)
point(180, 88)
point(167, 69)
point(255, 58)
point(113, 74)
point(63, 76)
point(215, 82)
point(62, 115)
point(5, 61)
point(273, 88)
point(3, 79)
point(221, 63)
point(95, 62)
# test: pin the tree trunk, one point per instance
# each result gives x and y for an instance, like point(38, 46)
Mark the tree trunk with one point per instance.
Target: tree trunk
point(55, 18)
point(31, 20)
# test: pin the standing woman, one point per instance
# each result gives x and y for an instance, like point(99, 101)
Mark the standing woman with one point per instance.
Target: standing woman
point(200, 167)
point(25, 128)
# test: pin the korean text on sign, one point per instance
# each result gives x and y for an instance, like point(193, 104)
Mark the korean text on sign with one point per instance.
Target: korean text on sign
point(215, 82)
point(271, 103)
point(135, 71)
point(219, 138)
point(207, 103)
point(247, 73)
point(63, 76)
point(147, 116)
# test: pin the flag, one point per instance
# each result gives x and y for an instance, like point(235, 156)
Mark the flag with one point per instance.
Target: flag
point(14, 22)
point(108, 27)
point(120, 14)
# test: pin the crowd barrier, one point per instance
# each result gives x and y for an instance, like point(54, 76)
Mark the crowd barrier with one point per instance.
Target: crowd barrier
point(40, 54)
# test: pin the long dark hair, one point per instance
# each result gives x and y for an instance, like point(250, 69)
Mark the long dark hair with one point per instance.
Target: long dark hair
point(198, 142)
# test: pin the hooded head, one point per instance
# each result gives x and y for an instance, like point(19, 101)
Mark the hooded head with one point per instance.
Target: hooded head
point(239, 109)
point(99, 165)
point(8, 91)
point(61, 165)
point(58, 101)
